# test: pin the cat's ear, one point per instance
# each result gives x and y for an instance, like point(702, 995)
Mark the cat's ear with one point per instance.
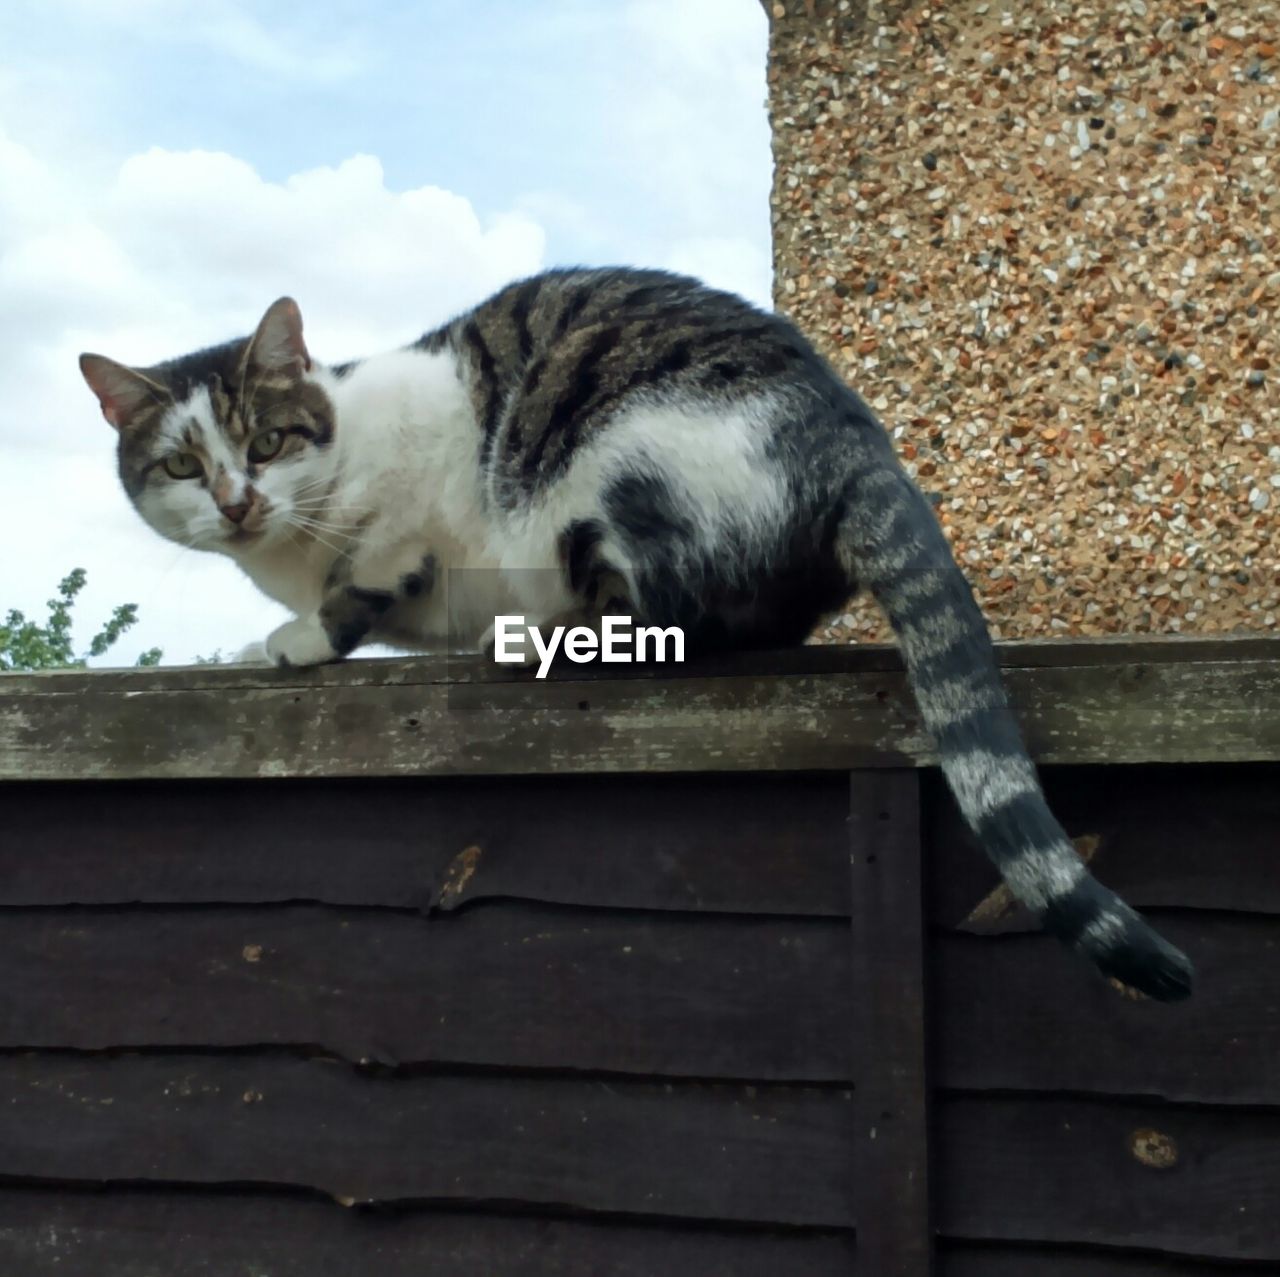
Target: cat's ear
point(277, 346)
point(121, 391)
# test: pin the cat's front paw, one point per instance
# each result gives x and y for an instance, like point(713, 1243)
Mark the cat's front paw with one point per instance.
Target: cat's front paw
point(300, 642)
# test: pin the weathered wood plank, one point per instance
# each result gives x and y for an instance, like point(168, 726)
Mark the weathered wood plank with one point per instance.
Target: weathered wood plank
point(887, 1015)
point(1194, 1182)
point(1189, 1181)
point(752, 844)
point(1116, 712)
point(1019, 1012)
point(131, 1233)
point(702, 996)
point(734, 1153)
point(503, 984)
point(506, 984)
point(1195, 837)
point(1044, 1261)
point(142, 1233)
point(812, 660)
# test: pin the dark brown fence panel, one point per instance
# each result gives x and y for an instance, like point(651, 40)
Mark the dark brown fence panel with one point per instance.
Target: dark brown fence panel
point(1019, 1012)
point(546, 975)
point(1193, 837)
point(689, 1150)
point(1045, 1261)
point(749, 844)
point(503, 984)
point(142, 1233)
point(1190, 1181)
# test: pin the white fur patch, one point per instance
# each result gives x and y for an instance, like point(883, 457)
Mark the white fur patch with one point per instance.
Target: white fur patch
point(1038, 875)
point(950, 700)
point(711, 460)
point(984, 782)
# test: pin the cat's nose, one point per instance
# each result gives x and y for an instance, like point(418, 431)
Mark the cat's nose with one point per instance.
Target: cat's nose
point(236, 513)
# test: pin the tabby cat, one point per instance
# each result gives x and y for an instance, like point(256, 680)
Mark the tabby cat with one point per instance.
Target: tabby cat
point(650, 446)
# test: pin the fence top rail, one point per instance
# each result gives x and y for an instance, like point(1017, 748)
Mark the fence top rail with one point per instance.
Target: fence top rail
point(1118, 700)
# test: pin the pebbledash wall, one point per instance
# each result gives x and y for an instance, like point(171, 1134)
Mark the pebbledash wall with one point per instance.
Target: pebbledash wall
point(1040, 237)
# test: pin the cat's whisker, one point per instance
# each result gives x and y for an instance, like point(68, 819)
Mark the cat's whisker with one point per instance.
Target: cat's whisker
point(305, 499)
point(326, 508)
point(317, 512)
point(313, 485)
point(316, 536)
point(325, 525)
point(345, 506)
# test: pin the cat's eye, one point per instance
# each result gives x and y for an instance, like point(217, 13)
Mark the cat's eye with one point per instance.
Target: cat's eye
point(266, 445)
point(183, 465)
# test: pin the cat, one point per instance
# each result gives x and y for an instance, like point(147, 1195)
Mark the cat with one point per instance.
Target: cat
point(593, 442)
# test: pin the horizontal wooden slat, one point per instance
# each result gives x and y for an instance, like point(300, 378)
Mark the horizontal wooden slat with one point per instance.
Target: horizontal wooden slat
point(1020, 1012)
point(506, 984)
point(734, 1153)
point(140, 1233)
point(503, 984)
point(1189, 1181)
point(813, 659)
point(348, 723)
point(1046, 1261)
point(747, 844)
point(1196, 837)
point(1184, 1180)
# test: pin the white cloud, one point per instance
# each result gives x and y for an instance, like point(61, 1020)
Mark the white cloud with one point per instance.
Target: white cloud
point(177, 250)
point(692, 112)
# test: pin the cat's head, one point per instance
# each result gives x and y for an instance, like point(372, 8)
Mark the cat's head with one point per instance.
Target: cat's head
point(229, 448)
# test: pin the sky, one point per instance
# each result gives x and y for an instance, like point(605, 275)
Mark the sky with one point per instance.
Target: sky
point(169, 167)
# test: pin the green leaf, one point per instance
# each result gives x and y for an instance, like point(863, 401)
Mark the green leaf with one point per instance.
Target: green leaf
point(26, 645)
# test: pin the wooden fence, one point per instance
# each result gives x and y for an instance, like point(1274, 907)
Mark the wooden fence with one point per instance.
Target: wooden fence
point(405, 968)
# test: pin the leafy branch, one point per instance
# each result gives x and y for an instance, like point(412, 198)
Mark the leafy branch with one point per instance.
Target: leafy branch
point(27, 645)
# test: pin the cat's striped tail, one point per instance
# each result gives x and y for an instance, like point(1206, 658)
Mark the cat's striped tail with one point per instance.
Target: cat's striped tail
point(893, 544)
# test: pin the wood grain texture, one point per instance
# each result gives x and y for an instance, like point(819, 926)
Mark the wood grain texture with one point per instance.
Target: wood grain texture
point(813, 659)
point(1192, 837)
point(503, 985)
point(1044, 1171)
point(142, 1233)
point(133, 1233)
point(1045, 1261)
point(751, 844)
point(1190, 1181)
point(1020, 1012)
point(506, 984)
point(887, 1017)
point(839, 715)
point(734, 1153)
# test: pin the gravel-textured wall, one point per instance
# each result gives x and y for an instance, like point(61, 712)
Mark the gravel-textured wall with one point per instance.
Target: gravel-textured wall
point(1040, 237)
